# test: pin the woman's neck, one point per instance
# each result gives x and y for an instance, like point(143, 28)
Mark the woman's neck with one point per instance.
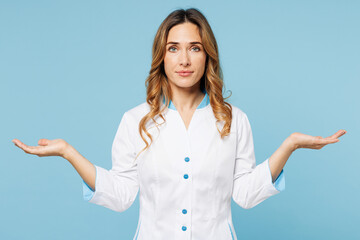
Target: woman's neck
point(185, 100)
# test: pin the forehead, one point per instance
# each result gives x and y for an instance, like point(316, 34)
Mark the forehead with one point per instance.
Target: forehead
point(185, 32)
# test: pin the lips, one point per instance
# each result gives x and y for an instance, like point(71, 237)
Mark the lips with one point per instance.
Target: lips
point(184, 73)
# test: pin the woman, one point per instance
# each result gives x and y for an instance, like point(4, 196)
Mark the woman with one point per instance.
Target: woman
point(185, 148)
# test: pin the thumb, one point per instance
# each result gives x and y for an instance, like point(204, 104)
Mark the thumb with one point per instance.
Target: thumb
point(43, 142)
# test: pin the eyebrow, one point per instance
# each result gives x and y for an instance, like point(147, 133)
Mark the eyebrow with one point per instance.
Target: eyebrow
point(178, 43)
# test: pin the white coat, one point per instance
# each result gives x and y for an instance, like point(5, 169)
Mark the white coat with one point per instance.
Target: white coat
point(186, 178)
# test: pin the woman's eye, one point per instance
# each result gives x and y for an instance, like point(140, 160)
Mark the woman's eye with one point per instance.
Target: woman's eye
point(196, 49)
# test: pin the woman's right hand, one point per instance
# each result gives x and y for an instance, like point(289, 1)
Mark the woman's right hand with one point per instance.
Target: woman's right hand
point(56, 147)
point(59, 147)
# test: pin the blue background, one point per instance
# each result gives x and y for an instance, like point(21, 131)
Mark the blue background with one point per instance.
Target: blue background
point(70, 69)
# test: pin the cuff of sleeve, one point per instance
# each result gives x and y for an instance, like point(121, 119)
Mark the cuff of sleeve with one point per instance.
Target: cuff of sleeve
point(279, 183)
point(88, 193)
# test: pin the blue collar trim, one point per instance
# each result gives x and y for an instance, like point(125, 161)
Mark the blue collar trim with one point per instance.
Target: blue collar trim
point(204, 102)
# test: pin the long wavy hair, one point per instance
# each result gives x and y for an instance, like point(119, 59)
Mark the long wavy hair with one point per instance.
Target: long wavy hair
point(157, 86)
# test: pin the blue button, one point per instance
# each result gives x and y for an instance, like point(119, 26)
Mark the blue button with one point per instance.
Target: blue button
point(186, 176)
point(184, 211)
point(183, 228)
point(187, 159)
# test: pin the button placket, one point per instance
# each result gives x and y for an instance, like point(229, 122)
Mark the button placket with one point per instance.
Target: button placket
point(184, 211)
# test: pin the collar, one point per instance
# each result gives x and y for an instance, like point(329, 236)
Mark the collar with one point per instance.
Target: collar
point(204, 102)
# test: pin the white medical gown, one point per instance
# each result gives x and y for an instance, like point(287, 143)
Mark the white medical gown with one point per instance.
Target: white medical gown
point(187, 177)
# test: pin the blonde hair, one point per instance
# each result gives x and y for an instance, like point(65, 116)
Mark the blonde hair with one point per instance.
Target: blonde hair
point(157, 86)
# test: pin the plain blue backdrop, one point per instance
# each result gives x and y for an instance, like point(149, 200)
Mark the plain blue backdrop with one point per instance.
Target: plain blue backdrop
point(70, 69)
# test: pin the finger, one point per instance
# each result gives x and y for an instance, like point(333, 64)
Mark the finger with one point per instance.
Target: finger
point(43, 142)
point(26, 148)
point(33, 150)
point(18, 143)
point(22, 145)
point(338, 134)
point(325, 141)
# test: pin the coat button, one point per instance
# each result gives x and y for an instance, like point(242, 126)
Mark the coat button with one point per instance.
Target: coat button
point(186, 176)
point(187, 159)
point(184, 211)
point(183, 228)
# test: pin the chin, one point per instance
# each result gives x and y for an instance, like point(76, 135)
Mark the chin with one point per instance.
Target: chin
point(185, 85)
point(183, 82)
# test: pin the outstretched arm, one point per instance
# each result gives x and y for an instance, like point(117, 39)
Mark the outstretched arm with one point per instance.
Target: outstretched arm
point(295, 141)
point(116, 188)
point(59, 147)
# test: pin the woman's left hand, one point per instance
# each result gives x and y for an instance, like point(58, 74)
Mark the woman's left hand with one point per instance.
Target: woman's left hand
point(301, 140)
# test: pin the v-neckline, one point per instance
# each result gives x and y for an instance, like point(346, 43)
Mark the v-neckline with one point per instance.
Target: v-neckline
point(191, 118)
point(203, 104)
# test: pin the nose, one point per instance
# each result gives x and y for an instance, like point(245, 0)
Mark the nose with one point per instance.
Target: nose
point(185, 59)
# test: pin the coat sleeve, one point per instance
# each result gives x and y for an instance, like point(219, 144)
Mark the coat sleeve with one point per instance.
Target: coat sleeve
point(116, 188)
point(252, 184)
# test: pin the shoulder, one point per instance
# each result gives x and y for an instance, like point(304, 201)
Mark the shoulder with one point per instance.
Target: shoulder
point(138, 112)
point(237, 113)
point(133, 116)
point(239, 119)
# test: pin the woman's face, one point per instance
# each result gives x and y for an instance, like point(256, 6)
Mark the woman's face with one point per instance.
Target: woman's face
point(185, 57)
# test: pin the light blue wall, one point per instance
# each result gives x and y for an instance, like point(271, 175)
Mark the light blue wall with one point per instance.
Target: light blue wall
point(70, 69)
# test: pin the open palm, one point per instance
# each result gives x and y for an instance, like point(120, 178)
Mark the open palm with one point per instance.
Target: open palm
point(315, 142)
point(46, 147)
